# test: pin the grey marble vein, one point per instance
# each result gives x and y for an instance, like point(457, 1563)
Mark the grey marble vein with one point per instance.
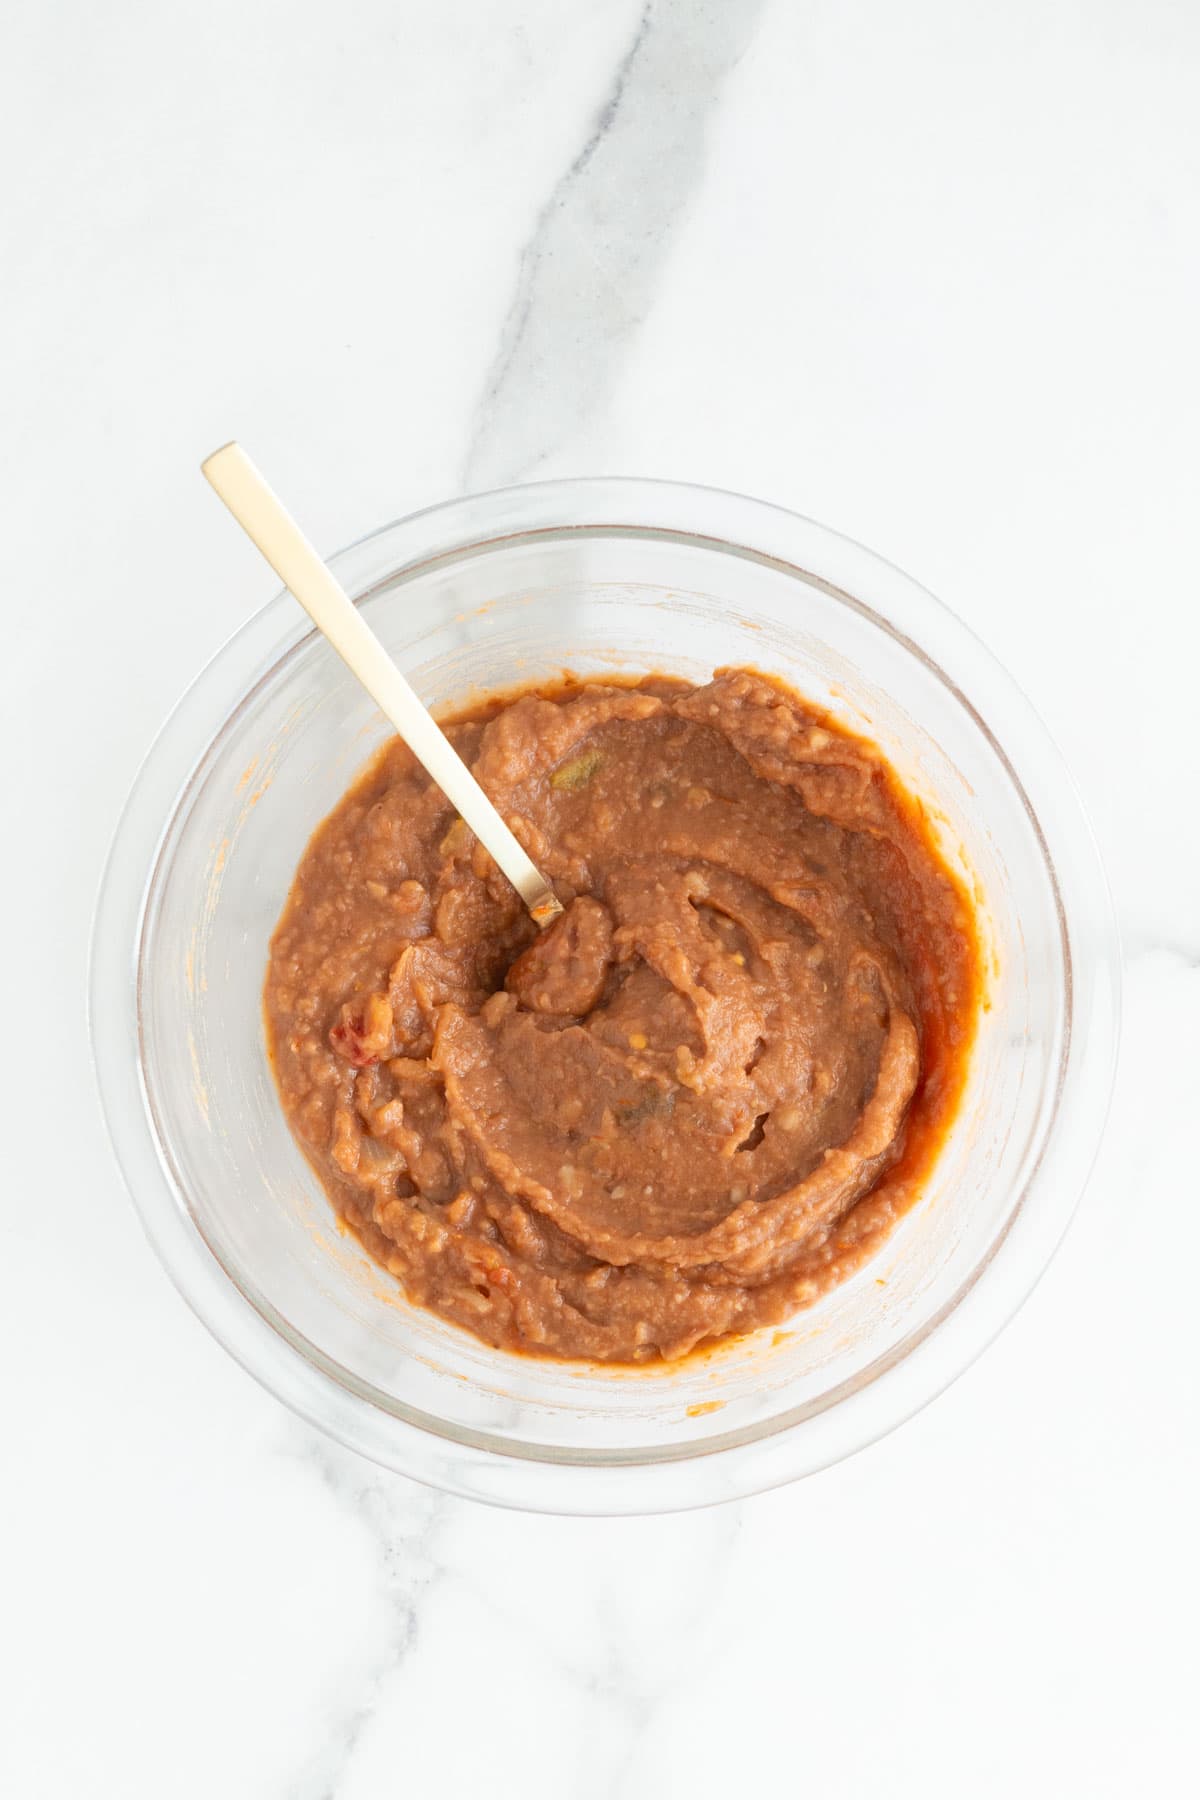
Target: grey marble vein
point(587, 274)
point(1175, 946)
point(633, 1670)
point(406, 1522)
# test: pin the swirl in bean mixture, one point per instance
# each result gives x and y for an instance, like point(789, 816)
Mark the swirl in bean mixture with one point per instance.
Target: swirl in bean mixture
point(699, 1099)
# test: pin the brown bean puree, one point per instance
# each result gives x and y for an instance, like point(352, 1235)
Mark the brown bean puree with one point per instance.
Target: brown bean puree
point(698, 1100)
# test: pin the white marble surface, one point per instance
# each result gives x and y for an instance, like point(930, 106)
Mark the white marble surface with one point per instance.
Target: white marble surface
point(929, 273)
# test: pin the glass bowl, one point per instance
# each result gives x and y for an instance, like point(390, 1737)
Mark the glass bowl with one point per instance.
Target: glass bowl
point(505, 588)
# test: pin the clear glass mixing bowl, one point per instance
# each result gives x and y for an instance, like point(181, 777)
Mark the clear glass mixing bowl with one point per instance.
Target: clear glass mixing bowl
point(591, 576)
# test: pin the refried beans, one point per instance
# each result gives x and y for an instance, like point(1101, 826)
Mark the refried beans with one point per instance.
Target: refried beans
point(699, 1099)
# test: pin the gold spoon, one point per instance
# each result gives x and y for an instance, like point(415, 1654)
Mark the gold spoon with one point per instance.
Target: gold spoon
point(271, 527)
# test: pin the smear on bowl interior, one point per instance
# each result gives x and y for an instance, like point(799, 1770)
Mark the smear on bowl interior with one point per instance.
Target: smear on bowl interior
point(700, 1099)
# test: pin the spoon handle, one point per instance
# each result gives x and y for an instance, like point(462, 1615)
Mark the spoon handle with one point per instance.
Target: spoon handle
point(271, 527)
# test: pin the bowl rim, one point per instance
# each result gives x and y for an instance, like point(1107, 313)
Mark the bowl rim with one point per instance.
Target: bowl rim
point(537, 1477)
